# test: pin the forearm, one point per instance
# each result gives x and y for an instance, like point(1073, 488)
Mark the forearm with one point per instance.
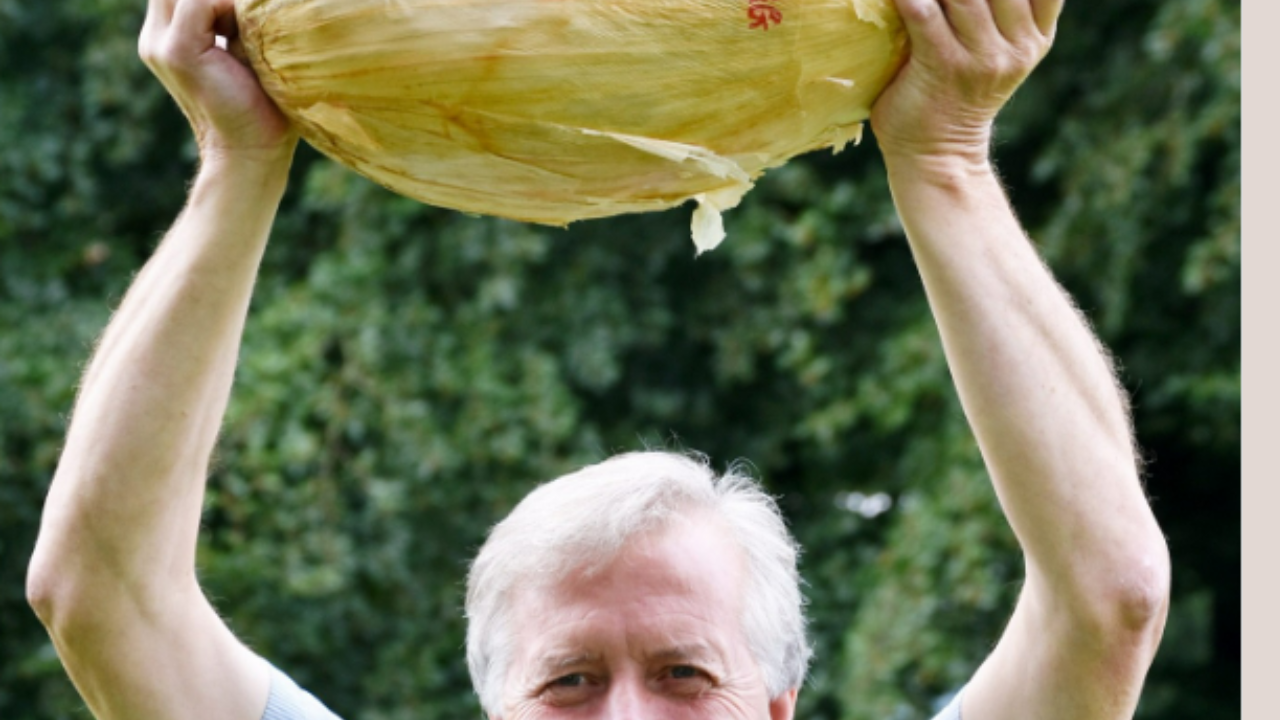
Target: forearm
point(125, 503)
point(1038, 390)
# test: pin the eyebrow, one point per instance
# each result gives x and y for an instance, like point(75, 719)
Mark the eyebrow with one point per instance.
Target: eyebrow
point(554, 663)
point(693, 651)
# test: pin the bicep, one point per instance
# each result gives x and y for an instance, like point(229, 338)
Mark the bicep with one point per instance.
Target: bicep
point(171, 658)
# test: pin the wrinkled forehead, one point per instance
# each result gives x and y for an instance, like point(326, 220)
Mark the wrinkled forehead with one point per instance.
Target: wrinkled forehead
point(693, 552)
point(679, 586)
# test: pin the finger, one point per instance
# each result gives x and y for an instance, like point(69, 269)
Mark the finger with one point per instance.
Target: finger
point(151, 38)
point(974, 24)
point(194, 28)
point(1046, 13)
point(161, 11)
point(1016, 21)
point(927, 27)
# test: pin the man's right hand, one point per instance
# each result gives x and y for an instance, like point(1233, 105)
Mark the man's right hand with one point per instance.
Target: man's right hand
point(233, 118)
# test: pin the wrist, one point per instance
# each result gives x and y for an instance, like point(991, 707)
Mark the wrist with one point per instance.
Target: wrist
point(240, 189)
point(947, 170)
point(260, 171)
point(263, 161)
point(964, 150)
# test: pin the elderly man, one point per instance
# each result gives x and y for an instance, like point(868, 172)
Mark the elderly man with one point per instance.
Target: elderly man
point(660, 590)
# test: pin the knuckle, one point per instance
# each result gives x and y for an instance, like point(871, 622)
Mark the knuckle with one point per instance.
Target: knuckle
point(1029, 54)
point(1009, 66)
point(918, 11)
point(166, 54)
point(156, 50)
point(146, 43)
point(1009, 60)
point(988, 63)
point(1023, 54)
point(147, 52)
point(1046, 39)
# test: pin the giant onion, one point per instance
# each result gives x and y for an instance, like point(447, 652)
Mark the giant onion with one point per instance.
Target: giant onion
point(551, 111)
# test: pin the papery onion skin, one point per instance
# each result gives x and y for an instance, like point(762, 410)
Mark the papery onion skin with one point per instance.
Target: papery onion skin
point(552, 111)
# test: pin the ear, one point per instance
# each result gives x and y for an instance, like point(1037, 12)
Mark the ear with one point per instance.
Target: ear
point(783, 707)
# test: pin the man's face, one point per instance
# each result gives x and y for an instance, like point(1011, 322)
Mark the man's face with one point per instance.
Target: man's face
point(656, 635)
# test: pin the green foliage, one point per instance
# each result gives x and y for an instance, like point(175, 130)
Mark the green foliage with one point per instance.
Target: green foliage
point(408, 373)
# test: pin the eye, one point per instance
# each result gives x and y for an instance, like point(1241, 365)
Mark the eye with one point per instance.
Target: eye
point(686, 680)
point(570, 681)
point(568, 690)
point(683, 672)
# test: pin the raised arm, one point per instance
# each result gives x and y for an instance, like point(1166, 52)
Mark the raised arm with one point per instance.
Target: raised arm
point(113, 576)
point(1037, 387)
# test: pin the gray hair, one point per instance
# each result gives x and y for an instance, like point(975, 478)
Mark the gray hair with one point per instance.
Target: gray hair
point(581, 521)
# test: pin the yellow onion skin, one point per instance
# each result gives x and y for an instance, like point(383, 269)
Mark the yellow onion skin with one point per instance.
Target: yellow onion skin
point(552, 111)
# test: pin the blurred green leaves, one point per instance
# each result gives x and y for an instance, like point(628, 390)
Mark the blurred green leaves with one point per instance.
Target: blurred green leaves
point(408, 373)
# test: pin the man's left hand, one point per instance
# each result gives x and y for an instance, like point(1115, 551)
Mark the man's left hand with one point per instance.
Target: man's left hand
point(967, 59)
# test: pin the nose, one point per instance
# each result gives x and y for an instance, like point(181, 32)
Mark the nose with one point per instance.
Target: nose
point(629, 699)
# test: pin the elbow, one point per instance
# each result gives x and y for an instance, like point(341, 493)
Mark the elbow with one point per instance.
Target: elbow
point(1139, 597)
point(68, 577)
point(1142, 603)
point(47, 595)
point(83, 599)
point(65, 602)
point(1134, 622)
point(49, 589)
point(1125, 613)
point(1110, 606)
point(40, 593)
point(58, 591)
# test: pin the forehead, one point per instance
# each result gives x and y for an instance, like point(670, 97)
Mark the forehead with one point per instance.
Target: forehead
point(675, 590)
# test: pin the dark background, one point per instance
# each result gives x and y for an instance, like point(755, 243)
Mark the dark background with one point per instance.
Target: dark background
point(409, 372)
